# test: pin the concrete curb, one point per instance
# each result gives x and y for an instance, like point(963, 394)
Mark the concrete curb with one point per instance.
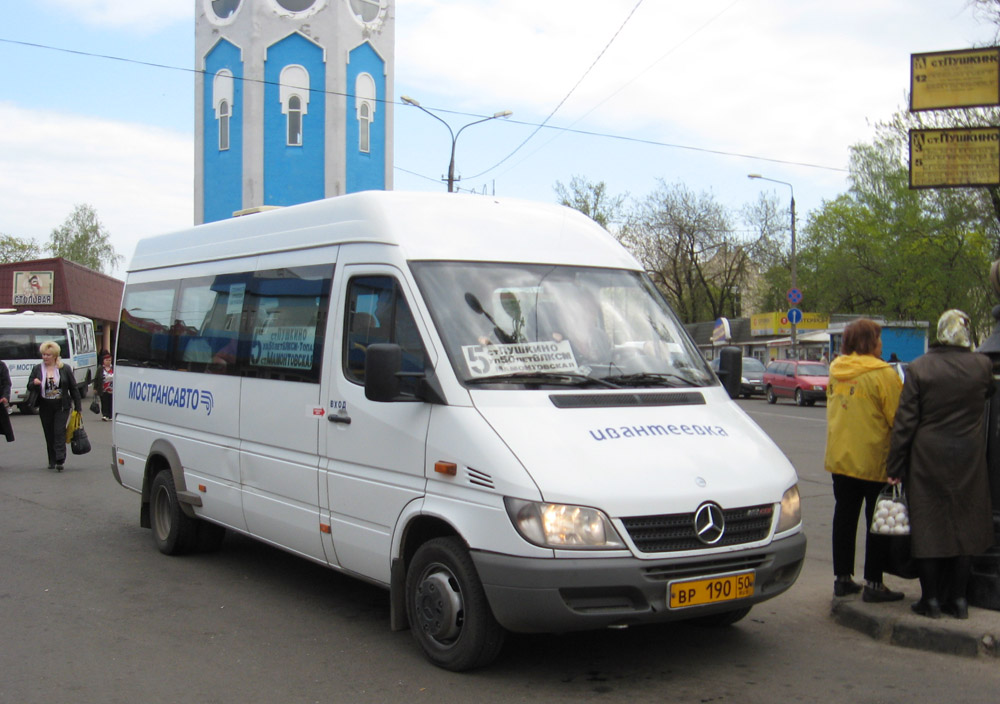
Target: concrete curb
point(897, 625)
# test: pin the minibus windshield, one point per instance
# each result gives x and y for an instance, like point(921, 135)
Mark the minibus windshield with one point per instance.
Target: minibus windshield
point(544, 324)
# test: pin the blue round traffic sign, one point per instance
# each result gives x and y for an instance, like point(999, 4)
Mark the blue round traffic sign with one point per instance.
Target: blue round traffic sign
point(794, 296)
point(794, 316)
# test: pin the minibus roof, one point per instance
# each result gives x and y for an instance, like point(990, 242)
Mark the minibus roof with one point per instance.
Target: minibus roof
point(425, 226)
point(38, 319)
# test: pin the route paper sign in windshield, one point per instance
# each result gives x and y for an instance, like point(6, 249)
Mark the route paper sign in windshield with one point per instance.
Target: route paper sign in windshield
point(530, 357)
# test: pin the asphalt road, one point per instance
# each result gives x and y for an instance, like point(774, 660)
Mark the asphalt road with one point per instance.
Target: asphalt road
point(91, 612)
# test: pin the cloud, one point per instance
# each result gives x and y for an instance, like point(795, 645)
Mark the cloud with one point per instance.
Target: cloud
point(138, 178)
point(144, 15)
point(797, 81)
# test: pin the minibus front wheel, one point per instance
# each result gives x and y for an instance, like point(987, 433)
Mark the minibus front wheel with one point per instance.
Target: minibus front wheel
point(447, 607)
point(174, 533)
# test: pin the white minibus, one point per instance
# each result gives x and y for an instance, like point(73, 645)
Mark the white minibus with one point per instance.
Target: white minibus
point(22, 333)
point(482, 405)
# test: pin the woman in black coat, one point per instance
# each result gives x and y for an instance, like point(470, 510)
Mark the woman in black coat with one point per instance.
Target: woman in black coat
point(938, 448)
point(57, 392)
point(6, 429)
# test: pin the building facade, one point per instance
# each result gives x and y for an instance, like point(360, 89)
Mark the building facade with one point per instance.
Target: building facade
point(292, 102)
point(57, 285)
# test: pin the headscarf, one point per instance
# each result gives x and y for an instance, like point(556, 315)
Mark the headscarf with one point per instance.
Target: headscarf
point(953, 329)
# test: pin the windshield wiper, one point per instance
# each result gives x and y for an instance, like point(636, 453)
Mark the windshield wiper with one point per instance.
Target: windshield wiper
point(566, 378)
point(652, 379)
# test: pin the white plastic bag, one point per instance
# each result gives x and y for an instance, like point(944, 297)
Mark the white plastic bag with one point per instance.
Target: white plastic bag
point(892, 517)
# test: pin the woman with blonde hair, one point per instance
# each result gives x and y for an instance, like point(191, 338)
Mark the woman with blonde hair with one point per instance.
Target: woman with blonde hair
point(57, 393)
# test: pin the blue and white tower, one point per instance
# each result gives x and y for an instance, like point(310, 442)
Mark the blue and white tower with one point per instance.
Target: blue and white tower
point(293, 104)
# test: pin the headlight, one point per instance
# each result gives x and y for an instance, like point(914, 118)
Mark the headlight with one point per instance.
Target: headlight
point(562, 526)
point(818, 388)
point(791, 510)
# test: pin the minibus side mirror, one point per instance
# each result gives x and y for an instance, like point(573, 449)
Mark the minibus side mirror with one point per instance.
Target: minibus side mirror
point(382, 364)
point(731, 370)
point(383, 376)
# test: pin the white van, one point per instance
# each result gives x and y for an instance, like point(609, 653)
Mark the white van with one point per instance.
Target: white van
point(480, 404)
point(22, 333)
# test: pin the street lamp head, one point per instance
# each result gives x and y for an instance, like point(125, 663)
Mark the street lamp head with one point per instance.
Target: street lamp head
point(503, 113)
point(409, 101)
point(748, 175)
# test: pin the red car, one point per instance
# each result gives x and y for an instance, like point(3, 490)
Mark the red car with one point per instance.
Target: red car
point(804, 381)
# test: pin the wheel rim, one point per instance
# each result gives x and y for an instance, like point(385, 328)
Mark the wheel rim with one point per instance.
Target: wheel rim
point(438, 605)
point(161, 513)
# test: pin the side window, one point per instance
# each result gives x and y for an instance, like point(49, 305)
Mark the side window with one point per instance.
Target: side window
point(206, 323)
point(286, 314)
point(377, 311)
point(144, 329)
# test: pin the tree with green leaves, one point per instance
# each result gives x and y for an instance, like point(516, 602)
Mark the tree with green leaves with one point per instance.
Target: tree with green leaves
point(13, 249)
point(84, 240)
point(883, 249)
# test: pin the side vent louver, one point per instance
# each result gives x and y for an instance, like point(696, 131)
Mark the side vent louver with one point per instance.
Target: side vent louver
point(479, 478)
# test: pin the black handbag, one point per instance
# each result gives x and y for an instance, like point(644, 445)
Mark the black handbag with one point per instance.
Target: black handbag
point(95, 406)
point(80, 444)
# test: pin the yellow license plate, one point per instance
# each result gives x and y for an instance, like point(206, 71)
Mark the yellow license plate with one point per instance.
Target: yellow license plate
point(696, 592)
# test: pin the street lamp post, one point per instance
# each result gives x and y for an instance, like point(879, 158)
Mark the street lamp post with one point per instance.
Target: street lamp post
point(795, 350)
point(454, 135)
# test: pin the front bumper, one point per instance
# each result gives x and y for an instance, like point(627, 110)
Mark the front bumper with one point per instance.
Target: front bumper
point(530, 595)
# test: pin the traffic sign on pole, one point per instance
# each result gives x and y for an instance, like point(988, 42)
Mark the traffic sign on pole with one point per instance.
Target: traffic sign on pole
point(794, 316)
point(794, 296)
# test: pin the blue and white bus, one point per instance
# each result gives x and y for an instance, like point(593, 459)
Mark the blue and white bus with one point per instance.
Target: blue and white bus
point(22, 333)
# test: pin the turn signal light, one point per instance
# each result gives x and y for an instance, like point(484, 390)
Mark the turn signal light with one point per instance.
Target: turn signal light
point(449, 468)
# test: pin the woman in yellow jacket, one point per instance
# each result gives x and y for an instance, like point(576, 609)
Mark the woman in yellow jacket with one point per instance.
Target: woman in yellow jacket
point(861, 400)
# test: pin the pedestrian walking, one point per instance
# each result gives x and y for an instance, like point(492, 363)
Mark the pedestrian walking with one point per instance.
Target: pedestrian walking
point(104, 385)
point(861, 399)
point(53, 390)
point(938, 450)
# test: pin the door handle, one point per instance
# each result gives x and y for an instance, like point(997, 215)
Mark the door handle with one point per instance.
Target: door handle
point(345, 419)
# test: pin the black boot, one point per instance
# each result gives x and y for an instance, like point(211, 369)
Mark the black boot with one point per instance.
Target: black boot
point(955, 603)
point(930, 577)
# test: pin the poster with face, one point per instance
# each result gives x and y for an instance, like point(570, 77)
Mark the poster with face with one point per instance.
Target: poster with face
point(32, 288)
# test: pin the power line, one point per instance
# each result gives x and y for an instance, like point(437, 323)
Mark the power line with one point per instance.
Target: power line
point(566, 97)
point(637, 76)
point(537, 126)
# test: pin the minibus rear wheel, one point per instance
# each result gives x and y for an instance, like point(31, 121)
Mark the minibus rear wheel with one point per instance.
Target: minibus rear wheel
point(174, 533)
point(447, 608)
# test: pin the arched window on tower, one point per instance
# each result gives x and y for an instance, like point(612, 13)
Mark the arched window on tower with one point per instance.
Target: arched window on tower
point(222, 101)
point(364, 98)
point(294, 96)
point(294, 121)
point(223, 125)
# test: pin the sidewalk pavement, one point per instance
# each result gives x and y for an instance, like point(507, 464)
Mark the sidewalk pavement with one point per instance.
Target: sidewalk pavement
point(896, 624)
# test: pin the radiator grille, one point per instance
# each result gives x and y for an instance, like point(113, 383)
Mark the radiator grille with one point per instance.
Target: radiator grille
point(676, 532)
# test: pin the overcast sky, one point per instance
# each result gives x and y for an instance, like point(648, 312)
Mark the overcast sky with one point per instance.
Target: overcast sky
point(779, 87)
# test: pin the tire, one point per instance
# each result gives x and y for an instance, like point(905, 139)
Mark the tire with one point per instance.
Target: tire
point(447, 608)
point(771, 398)
point(726, 618)
point(174, 533)
point(800, 400)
